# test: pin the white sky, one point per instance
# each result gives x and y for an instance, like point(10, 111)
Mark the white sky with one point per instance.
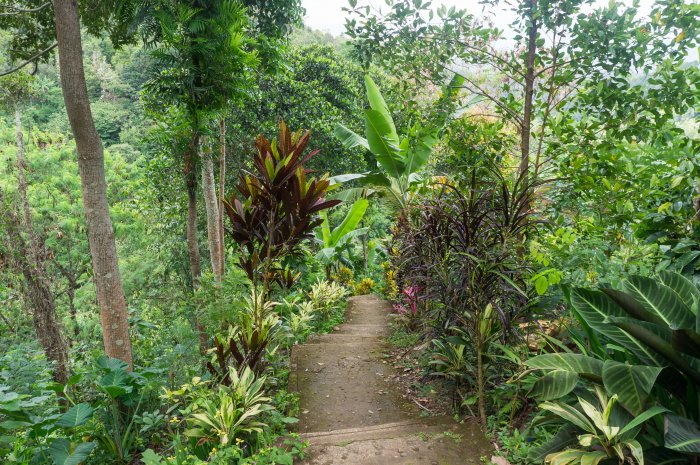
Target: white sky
point(328, 15)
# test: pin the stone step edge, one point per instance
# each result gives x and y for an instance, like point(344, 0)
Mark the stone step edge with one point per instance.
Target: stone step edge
point(415, 427)
point(363, 429)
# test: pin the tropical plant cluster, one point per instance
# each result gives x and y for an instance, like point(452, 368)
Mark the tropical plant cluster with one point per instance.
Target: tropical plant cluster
point(189, 190)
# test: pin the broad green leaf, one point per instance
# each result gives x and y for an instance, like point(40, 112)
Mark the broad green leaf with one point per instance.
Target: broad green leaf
point(565, 437)
point(418, 157)
point(325, 228)
point(682, 286)
point(554, 385)
point(631, 383)
point(350, 222)
point(381, 145)
point(637, 452)
point(681, 434)
point(594, 308)
point(570, 414)
point(346, 178)
point(62, 452)
point(576, 363)
point(565, 457)
point(593, 458)
point(661, 301)
point(377, 103)
point(115, 384)
point(75, 416)
point(641, 418)
point(349, 138)
point(151, 458)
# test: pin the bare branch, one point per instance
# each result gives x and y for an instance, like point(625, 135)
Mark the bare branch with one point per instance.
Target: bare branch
point(15, 10)
point(30, 60)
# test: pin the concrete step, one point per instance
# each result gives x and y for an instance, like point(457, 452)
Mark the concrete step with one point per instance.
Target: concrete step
point(427, 441)
point(343, 338)
point(363, 329)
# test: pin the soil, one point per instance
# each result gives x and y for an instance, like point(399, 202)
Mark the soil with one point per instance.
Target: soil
point(354, 410)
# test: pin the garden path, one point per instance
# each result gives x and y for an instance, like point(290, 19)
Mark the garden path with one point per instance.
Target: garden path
point(351, 412)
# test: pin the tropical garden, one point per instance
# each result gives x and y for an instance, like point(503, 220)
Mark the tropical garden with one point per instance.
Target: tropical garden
point(190, 189)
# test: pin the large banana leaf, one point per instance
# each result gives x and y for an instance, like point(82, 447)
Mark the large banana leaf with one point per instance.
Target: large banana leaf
point(378, 104)
point(325, 229)
point(631, 383)
point(349, 138)
point(383, 144)
point(350, 222)
point(661, 301)
point(418, 157)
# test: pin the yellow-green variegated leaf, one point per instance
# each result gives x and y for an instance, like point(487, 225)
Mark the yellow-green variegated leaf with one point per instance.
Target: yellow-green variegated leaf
point(570, 414)
point(593, 458)
point(565, 457)
point(583, 365)
point(631, 383)
point(554, 385)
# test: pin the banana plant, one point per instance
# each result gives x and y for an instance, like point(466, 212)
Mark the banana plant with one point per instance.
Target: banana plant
point(399, 159)
point(335, 242)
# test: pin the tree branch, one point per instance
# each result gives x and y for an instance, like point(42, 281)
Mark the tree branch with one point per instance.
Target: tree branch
point(16, 11)
point(30, 60)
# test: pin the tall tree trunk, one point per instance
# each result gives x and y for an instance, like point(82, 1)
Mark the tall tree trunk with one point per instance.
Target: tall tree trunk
point(222, 185)
point(526, 128)
point(108, 285)
point(192, 240)
point(211, 206)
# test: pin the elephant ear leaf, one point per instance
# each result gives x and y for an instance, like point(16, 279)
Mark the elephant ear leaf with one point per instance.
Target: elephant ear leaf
point(681, 434)
point(75, 416)
point(63, 453)
point(631, 383)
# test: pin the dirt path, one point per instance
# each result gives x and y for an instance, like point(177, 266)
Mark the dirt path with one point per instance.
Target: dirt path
point(352, 414)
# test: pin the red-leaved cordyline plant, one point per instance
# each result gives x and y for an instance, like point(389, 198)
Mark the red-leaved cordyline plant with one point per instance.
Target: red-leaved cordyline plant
point(278, 209)
point(276, 212)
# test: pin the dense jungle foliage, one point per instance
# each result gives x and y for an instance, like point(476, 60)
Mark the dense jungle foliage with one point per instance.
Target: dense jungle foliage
point(527, 199)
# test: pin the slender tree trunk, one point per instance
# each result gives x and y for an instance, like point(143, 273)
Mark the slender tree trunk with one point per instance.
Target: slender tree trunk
point(211, 206)
point(222, 184)
point(39, 294)
point(529, 91)
point(108, 286)
point(480, 385)
point(192, 240)
point(191, 185)
point(31, 263)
